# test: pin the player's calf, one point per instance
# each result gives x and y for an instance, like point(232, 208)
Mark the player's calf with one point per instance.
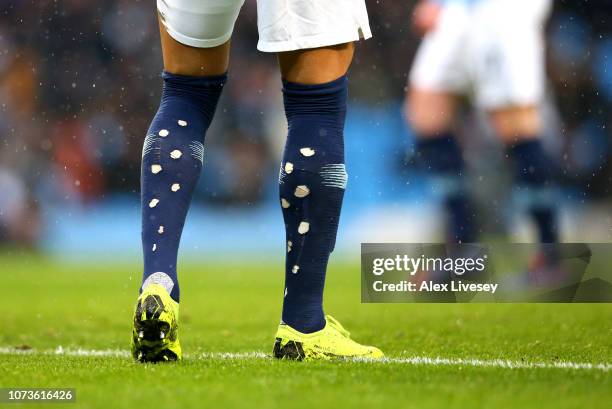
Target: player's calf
point(172, 159)
point(533, 179)
point(441, 158)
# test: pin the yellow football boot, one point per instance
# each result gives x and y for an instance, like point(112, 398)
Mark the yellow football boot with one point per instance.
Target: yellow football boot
point(155, 332)
point(333, 341)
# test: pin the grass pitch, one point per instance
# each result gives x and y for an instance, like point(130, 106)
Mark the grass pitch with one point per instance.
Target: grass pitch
point(235, 307)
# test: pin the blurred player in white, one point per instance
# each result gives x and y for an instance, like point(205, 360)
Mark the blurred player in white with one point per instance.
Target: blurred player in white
point(314, 41)
point(491, 51)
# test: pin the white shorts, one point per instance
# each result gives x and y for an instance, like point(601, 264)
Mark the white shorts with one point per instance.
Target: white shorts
point(284, 25)
point(490, 49)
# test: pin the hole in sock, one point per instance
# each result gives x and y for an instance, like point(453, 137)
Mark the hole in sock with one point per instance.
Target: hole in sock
point(303, 227)
point(302, 191)
point(307, 151)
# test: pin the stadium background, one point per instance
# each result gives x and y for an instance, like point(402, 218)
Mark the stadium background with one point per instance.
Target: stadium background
point(80, 82)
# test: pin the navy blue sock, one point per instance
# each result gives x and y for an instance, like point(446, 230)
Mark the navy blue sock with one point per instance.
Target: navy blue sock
point(312, 183)
point(533, 174)
point(172, 159)
point(441, 156)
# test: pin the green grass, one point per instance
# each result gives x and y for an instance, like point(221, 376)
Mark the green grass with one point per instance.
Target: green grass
point(235, 308)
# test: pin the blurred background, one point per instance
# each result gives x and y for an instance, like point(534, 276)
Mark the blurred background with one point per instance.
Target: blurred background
point(80, 81)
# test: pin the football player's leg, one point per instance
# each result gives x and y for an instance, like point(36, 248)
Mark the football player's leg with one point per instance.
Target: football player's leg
point(430, 109)
point(312, 183)
point(315, 51)
point(312, 175)
point(512, 88)
point(430, 115)
point(436, 79)
point(195, 45)
point(519, 127)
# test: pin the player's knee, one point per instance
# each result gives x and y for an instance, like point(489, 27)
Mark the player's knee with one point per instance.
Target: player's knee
point(515, 124)
point(424, 125)
point(428, 115)
point(316, 65)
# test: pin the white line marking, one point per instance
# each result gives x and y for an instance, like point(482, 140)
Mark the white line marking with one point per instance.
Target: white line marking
point(232, 355)
point(499, 363)
point(414, 360)
point(68, 352)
